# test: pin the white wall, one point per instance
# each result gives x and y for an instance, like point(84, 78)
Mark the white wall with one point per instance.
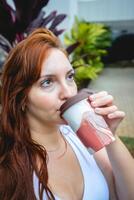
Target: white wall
point(10, 2)
point(118, 13)
point(68, 7)
point(106, 10)
point(95, 10)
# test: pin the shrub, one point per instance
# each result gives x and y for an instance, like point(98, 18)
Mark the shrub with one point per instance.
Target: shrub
point(88, 42)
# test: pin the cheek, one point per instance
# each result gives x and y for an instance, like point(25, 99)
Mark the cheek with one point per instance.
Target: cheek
point(45, 103)
point(74, 89)
point(40, 101)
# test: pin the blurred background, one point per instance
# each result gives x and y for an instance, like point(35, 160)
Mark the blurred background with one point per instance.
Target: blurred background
point(97, 34)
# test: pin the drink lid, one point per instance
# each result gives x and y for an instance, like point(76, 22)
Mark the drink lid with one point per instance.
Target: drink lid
point(84, 93)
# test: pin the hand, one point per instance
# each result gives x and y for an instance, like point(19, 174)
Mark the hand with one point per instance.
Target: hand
point(103, 105)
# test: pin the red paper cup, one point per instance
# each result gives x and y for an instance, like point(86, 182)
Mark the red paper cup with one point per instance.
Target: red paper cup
point(90, 127)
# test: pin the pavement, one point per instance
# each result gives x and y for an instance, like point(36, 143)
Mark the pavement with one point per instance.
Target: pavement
point(120, 83)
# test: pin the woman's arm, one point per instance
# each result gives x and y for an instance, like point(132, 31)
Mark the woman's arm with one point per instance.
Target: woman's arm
point(123, 169)
point(116, 160)
point(104, 164)
point(118, 169)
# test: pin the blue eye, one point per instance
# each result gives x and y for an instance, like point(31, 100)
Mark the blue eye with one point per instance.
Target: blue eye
point(46, 83)
point(70, 77)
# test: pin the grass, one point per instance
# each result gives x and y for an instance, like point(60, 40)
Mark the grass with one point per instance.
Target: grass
point(129, 142)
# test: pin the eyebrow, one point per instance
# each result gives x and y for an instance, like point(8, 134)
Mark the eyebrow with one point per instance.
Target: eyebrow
point(53, 75)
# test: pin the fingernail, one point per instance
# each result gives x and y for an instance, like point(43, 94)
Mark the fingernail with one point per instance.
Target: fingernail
point(110, 115)
point(97, 110)
point(91, 97)
point(93, 103)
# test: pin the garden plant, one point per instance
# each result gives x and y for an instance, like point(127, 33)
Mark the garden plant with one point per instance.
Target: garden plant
point(87, 42)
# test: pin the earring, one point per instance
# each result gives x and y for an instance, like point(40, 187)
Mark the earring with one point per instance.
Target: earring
point(23, 108)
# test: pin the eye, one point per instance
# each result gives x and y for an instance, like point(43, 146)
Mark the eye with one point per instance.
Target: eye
point(70, 77)
point(46, 83)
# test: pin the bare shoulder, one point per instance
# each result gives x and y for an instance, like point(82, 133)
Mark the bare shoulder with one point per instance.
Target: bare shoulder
point(104, 164)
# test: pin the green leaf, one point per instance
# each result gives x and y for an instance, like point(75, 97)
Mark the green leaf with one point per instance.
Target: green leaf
point(93, 38)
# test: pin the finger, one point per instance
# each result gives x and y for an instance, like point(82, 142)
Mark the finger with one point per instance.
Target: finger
point(116, 114)
point(106, 110)
point(102, 101)
point(97, 95)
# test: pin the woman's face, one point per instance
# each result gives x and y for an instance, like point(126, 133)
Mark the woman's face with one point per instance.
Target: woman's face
point(55, 85)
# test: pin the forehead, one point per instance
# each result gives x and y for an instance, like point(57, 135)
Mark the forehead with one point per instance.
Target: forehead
point(56, 62)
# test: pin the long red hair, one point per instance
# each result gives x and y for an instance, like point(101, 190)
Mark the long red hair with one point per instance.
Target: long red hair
point(18, 152)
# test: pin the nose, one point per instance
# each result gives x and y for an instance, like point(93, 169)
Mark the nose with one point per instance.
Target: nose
point(67, 91)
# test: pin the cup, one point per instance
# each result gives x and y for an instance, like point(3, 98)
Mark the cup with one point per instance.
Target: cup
point(91, 128)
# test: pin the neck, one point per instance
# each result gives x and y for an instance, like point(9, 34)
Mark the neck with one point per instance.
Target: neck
point(48, 137)
point(51, 139)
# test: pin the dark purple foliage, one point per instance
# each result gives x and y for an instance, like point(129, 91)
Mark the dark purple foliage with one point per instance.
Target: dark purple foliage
point(7, 21)
point(72, 47)
point(42, 21)
point(57, 21)
point(28, 15)
point(27, 11)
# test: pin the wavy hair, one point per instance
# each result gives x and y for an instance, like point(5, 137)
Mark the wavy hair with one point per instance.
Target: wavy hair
point(18, 152)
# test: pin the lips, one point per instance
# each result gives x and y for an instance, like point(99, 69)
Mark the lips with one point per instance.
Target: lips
point(60, 107)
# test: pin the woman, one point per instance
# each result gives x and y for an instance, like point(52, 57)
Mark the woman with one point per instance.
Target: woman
point(40, 156)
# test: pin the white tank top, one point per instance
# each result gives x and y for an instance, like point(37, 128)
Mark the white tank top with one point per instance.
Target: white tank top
point(95, 186)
